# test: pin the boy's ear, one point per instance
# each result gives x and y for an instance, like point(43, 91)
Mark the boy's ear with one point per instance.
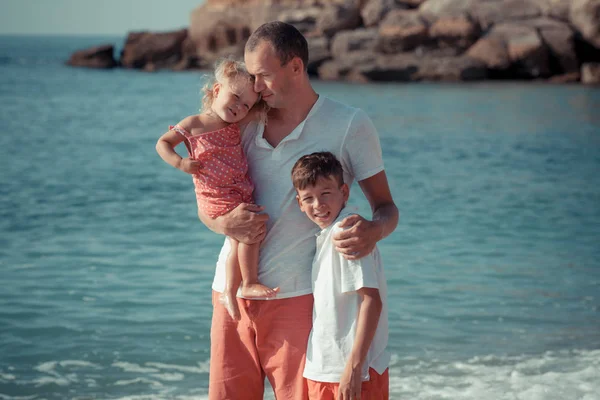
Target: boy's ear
point(299, 203)
point(345, 192)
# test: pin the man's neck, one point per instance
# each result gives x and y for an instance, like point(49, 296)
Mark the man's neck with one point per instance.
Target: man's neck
point(298, 111)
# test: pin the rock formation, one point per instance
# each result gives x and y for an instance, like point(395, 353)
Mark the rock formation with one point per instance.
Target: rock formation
point(396, 40)
point(95, 57)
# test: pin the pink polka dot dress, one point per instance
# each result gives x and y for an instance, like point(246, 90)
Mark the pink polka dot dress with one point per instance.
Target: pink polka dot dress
point(223, 182)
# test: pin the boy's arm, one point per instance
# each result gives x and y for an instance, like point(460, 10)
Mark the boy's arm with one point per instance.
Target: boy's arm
point(366, 324)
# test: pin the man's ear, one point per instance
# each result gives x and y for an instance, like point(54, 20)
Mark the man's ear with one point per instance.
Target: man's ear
point(297, 65)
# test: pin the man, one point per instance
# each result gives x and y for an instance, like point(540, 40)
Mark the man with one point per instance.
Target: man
point(271, 337)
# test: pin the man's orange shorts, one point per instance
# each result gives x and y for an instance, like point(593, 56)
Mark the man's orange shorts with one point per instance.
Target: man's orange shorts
point(269, 341)
point(376, 388)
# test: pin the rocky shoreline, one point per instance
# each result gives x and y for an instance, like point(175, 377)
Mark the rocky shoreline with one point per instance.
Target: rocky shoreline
point(387, 40)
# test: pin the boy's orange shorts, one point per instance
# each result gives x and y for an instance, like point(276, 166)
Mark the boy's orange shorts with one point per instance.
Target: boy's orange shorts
point(376, 388)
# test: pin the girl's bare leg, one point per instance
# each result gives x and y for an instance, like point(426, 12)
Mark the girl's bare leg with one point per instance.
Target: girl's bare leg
point(232, 282)
point(248, 256)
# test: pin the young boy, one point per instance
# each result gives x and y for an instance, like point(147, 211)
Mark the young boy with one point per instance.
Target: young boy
point(346, 356)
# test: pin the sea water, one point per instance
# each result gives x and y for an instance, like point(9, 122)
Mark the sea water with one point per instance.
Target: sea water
point(105, 271)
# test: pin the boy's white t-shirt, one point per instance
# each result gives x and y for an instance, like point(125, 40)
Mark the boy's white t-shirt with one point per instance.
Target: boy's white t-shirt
point(335, 283)
point(287, 251)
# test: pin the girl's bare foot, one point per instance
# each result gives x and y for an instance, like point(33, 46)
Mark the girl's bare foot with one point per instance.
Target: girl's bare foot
point(255, 290)
point(230, 303)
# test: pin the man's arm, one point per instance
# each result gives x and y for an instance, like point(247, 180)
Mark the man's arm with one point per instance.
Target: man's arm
point(243, 223)
point(361, 235)
point(367, 319)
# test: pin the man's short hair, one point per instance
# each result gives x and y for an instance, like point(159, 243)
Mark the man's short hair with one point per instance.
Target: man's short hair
point(287, 41)
point(309, 168)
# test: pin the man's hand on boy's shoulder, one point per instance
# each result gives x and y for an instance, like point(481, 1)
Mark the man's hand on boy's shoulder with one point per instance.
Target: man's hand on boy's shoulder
point(358, 238)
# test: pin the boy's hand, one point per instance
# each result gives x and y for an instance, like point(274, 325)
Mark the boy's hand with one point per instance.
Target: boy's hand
point(190, 166)
point(351, 383)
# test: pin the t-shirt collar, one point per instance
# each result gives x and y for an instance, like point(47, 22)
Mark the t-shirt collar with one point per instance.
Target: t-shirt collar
point(343, 214)
point(295, 134)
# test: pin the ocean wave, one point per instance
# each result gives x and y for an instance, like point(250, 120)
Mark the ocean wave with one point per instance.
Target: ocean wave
point(553, 375)
point(564, 375)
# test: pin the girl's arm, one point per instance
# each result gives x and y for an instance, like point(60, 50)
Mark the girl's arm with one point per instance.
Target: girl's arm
point(366, 325)
point(165, 147)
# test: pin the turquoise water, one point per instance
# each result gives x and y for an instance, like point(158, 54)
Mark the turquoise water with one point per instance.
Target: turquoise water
point(105, 271)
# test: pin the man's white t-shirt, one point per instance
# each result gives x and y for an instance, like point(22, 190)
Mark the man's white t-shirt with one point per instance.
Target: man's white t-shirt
point(335, 311)
point(287, 251)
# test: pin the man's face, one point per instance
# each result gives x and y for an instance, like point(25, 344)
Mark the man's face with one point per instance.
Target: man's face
point(272, 80)
point(323, 202)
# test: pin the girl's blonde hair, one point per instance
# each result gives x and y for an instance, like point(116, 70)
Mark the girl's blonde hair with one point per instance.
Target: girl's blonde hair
point(228, 71)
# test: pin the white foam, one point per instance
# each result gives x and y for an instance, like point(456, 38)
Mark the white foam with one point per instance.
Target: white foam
point(7, 397)
point(202, 368)
point(169, 377)
point(6, 377)
point(131, 367)
point(150, 382)
point(47, 367)
point(51, 380)
point(563, 375)
point(79, 363)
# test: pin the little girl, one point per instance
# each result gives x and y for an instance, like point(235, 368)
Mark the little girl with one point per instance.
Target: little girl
point(219, 168)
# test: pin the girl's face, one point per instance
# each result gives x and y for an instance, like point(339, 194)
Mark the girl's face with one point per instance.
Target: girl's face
point(233, 99)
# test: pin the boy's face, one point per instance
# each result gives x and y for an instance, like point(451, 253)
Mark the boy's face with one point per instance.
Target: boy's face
point(323, 202)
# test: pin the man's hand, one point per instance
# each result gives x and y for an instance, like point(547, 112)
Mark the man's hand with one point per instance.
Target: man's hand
point(190, 166)
point(350, 383)
point(358, 238)
point(245, 224)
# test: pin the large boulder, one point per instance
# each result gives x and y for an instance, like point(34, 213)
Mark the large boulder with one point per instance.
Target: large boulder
point(304, 19)
point(373, 11)
point(150, 51)
point(434, 9)
point(590, 73)
point(585, 16)
point(559, 37)
point(457, 31)
point(398, 68)
point(215, 32)
point(488, 13)
point(318, 53)
point(514, 49)
point(338, 17)
point(528, 54)
point(359, 40)
point(492, 51)
point(452, 69)
point(402, 30)
point(557, 9)
point(408, 67)
point(95, 57)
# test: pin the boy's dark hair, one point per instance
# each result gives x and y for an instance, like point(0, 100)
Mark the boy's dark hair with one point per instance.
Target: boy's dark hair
point(287, 41)
point(309, 168)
